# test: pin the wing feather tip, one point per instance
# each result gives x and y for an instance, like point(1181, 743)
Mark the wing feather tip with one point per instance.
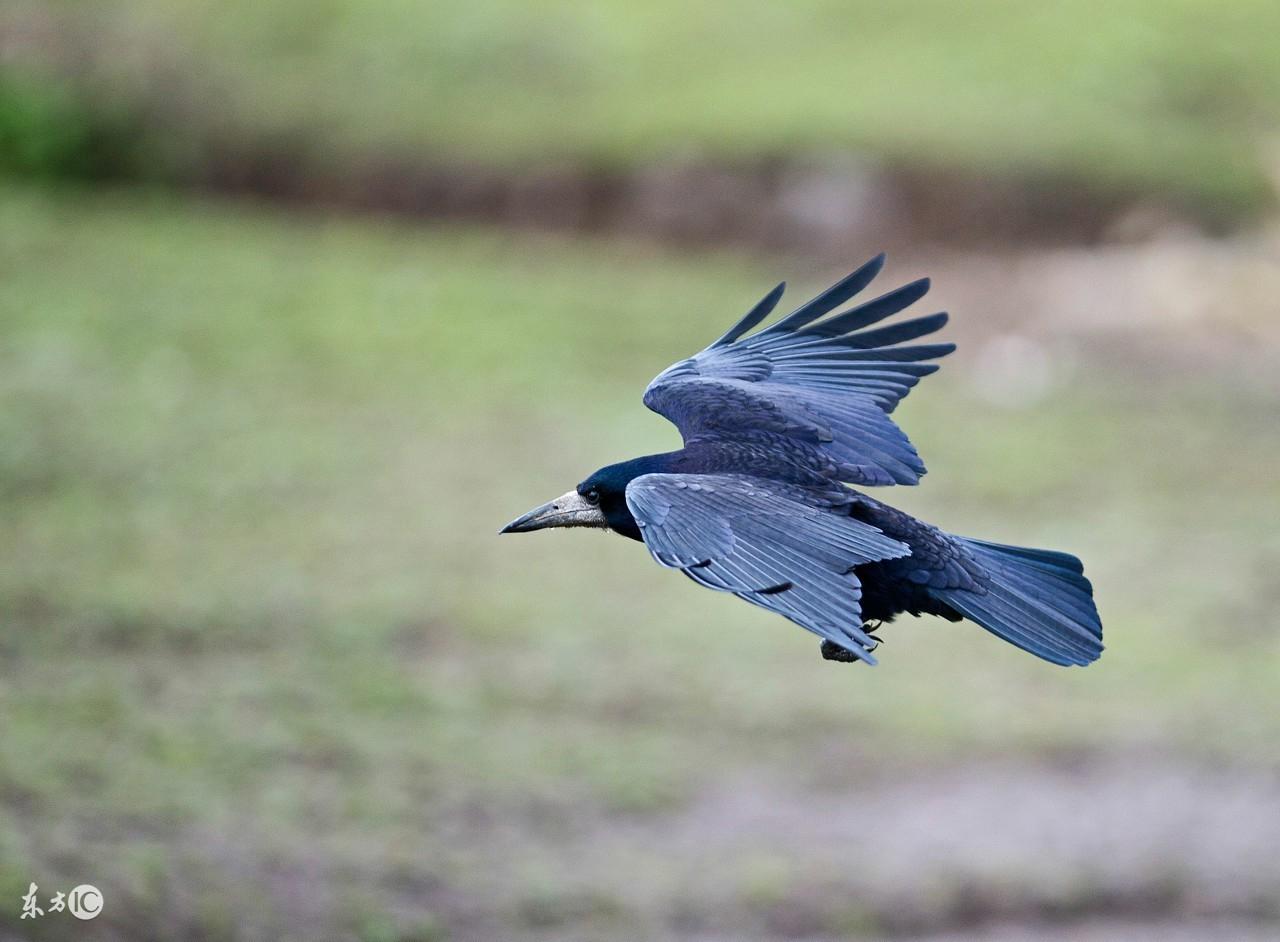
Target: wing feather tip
point(762, 309)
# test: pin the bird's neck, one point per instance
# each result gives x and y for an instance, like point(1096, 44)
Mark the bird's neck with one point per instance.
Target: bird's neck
point(616, 513)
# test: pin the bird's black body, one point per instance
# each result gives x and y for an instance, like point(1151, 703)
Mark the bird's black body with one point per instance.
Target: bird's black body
point(758, 502)
point(888, 588)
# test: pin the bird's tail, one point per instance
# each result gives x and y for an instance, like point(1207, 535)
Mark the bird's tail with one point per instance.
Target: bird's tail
point(1038, 600)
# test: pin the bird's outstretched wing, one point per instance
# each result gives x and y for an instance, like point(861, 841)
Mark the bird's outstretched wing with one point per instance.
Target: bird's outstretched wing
point(769, 543)
point(826, 386)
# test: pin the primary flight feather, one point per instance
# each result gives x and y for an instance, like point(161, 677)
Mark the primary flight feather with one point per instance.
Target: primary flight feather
point(776, 426)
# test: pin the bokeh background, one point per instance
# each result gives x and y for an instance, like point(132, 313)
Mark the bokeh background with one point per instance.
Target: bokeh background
point(301, 301)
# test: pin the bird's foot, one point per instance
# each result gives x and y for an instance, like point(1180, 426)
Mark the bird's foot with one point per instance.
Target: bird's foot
point(833, 652)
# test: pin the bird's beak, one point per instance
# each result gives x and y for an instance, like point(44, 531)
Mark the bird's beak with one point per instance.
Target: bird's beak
point(569, 510)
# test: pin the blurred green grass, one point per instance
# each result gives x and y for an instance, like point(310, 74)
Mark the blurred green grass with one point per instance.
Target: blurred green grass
point(256, 624)
point(1177, 99)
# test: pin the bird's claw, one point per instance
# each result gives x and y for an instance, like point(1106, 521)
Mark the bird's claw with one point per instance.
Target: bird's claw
point(833, 652)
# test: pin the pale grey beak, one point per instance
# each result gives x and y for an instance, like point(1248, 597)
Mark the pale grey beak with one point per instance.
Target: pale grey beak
point(568, 510)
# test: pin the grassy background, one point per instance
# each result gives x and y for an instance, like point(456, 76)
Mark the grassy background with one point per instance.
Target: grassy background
point(1177, 99)
point(266, 668)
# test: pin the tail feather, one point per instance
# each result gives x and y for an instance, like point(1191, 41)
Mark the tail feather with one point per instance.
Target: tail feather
point(1038, 600)
point(1040, 558)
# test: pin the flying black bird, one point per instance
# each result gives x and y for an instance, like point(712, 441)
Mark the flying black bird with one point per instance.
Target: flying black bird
point(775, 426)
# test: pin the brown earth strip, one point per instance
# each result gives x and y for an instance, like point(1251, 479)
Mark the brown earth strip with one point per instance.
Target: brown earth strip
point(781, 204)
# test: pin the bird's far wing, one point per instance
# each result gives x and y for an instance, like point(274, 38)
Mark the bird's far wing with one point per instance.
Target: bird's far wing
point(827, 386)
point(768, 543)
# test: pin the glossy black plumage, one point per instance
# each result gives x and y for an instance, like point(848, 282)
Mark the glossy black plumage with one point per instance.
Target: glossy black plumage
point(776, 425)
point(822, 392)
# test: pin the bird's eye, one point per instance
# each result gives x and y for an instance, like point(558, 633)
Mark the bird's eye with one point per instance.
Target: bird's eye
point(592, 496)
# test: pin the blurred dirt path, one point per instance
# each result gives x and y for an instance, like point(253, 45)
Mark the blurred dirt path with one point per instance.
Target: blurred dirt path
point(1106, 847)
point(1223, 292)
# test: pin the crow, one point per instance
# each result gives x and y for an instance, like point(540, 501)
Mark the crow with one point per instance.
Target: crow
point(778, 426)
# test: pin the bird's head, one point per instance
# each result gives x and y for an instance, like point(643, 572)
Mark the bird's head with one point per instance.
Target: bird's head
point(599, 501)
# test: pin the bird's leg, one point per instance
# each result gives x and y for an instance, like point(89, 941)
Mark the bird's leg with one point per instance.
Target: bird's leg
point(833, 652)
